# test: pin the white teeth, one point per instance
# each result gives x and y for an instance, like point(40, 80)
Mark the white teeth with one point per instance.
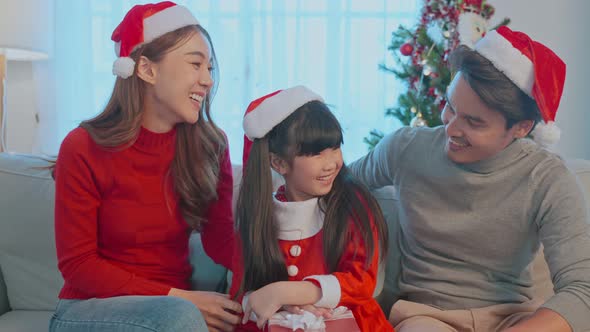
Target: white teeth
point(196, 97)
point(457, 143)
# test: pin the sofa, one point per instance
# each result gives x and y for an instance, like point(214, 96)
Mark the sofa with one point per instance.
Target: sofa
point(30, 280)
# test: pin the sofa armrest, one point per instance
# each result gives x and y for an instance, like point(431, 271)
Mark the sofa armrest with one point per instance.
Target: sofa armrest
point(4, 306)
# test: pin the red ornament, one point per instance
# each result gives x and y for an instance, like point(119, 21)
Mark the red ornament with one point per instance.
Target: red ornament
point(406, 49)
point(474, 3)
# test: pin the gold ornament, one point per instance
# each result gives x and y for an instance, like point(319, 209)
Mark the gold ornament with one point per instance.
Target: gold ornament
point(418, 121)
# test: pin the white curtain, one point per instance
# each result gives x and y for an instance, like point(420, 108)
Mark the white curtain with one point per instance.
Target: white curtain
point(332, 46)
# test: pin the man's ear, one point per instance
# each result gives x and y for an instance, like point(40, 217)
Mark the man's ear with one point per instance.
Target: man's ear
point(146, 70)
point(278, 164)
point(523, 128)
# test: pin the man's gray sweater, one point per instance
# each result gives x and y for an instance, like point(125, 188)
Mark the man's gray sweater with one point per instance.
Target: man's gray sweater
point(470, 231)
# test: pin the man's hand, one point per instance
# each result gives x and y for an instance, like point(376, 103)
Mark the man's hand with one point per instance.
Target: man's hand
point(543, 319)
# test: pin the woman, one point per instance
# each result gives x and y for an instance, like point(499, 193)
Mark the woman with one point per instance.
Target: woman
point(134, 181)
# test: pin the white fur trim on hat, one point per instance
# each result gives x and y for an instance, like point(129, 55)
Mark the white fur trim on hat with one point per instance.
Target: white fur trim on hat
point(508, 59)
point(154, 26)
point(274, 109)
point(167, 20)
point(546, 134)
point(331, 292)
point(124, 67)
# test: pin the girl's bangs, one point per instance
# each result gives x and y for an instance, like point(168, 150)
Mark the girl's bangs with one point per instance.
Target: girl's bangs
point(318, 131)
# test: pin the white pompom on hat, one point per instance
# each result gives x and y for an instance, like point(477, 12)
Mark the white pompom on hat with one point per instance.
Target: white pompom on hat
point(142, 24)
point(534, 68)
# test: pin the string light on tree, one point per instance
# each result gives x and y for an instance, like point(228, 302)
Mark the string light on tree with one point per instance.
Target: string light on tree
point(418, 121)
point(427, 70)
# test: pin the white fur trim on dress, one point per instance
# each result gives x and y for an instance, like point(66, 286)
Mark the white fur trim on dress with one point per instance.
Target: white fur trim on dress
point(508, 59)
point(274, 109)
point(546, 134)
point(298, 220)
point(331, 292)
point(124, 67)
point(167, 20)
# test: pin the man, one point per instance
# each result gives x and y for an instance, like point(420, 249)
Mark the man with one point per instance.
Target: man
point(477, 199)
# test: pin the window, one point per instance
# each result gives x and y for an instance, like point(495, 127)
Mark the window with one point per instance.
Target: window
point(332, 46)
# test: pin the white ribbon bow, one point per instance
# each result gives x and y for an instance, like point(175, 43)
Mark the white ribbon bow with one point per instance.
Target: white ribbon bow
point(308, 321)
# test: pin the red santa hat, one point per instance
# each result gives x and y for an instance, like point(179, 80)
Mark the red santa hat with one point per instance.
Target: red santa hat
point(534, 68)
point(266, 112)
point(142, 24)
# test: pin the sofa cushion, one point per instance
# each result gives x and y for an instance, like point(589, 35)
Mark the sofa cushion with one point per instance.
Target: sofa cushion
point(387, 289)
point(582, 169)
point(25, 321)
point(27, 246)
point(206, 276)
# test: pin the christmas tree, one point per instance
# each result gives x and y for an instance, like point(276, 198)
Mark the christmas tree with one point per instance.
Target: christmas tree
point(422, 57)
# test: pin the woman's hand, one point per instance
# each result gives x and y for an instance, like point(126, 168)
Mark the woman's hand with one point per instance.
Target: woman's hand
point(263, 302)
point(299, 309)
point(220, 313)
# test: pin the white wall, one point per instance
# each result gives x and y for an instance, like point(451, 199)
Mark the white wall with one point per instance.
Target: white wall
point(564, 27)
point(30, 86)
point(20, 106)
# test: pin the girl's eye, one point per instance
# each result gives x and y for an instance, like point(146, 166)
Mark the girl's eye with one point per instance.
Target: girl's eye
point(197, 65)
point(210, 69)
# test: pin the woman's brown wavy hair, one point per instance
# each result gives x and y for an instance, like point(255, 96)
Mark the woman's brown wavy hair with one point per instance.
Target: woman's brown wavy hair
point(195, 167)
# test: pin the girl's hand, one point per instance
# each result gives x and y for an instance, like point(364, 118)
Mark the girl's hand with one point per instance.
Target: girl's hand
point(219, 311)
point(299, 309)
point(264, 302)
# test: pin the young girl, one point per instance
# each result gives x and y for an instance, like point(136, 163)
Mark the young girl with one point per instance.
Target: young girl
point(132, 183)
point(316, 242)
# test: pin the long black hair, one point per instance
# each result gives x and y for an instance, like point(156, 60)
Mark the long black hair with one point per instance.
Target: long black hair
point(308, 131)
